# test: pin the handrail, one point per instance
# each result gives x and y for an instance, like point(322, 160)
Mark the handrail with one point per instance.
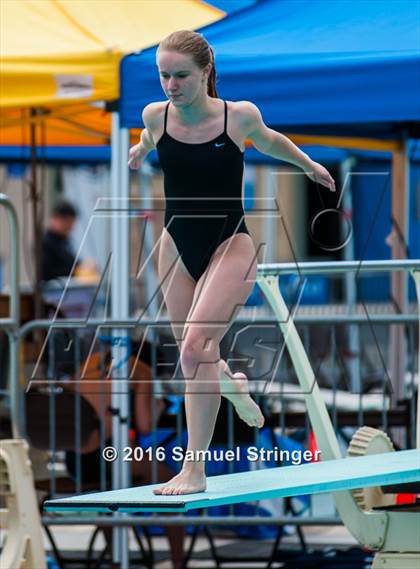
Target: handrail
point(274, 269)
point(11, 324)
point(65, 323)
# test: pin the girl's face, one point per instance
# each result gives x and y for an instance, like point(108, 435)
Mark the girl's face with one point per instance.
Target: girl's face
point(181, 79)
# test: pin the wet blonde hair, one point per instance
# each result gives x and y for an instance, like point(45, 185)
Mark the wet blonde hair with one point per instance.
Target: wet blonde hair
point(195, 44)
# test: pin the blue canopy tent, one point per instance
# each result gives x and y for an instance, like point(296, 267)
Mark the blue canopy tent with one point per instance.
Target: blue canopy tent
point(310, 66)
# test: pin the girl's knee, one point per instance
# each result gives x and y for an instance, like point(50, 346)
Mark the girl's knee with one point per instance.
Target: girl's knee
point(198, 350)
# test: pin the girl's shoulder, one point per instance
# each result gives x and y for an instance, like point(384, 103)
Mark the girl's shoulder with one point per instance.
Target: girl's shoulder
point(153, 112)
point(243, 114)
point(242, 109)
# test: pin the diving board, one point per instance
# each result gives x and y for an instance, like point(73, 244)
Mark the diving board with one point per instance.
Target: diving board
point(311, 478)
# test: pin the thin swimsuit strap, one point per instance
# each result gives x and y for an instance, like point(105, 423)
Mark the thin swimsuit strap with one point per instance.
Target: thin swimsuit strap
point(225, 126)
point(166, 118)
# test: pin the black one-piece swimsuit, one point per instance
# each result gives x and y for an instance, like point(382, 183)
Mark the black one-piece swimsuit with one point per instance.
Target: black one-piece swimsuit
point(203, 192)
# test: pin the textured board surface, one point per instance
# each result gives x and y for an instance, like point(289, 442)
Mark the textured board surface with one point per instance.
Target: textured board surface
point(312, 478)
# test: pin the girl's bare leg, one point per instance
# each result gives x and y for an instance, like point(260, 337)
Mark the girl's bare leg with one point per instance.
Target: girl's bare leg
point(218, 295)
point(233, 386)
point(181, 297)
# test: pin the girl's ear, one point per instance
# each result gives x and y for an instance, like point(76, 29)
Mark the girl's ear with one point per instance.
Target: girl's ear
point(207, 71)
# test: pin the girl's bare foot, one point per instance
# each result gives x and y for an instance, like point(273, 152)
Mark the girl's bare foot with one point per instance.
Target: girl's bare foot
point(235, 389)
point(189, 481)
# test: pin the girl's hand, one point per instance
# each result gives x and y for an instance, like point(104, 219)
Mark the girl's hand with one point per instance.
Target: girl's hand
point(134, 161)
point(317, 173)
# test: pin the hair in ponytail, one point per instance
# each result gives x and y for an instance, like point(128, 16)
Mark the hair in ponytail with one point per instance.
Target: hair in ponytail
point(195, 44)
point(211, 83)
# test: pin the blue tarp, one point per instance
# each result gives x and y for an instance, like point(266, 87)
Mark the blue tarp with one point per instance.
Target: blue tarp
point(348, 66)
point(97, 154)
point(60, 154)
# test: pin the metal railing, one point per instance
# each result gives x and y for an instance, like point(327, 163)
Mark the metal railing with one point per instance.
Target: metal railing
point(11, 324)
point(288, 401)
point(287, 396)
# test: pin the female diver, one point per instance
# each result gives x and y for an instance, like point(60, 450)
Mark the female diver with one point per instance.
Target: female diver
point(207, 259)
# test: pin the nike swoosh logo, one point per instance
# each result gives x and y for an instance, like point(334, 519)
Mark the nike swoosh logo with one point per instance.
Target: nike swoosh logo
point(219, 144)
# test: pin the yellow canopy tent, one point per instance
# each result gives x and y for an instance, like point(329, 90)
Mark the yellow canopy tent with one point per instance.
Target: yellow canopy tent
point(55, 53)
point(57, 57)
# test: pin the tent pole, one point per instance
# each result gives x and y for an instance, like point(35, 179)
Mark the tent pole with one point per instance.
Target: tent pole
point(119, 310)
point(37, 228)
point(350, 287)
point(398, 241)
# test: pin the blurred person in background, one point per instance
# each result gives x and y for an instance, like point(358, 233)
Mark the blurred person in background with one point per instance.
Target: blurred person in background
point(58, 256)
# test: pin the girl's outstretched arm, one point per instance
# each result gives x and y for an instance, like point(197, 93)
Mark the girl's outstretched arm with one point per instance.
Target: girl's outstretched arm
point(275, 144)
